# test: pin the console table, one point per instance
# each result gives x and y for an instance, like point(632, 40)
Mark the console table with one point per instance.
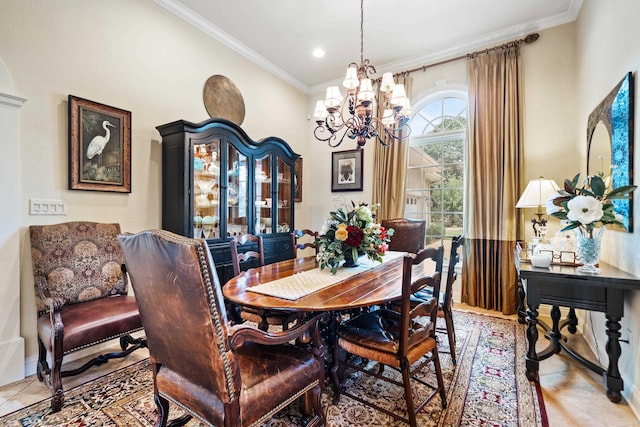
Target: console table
point(564, 286)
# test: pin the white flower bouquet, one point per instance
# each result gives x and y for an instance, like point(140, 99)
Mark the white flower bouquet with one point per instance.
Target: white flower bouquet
point(588, 206)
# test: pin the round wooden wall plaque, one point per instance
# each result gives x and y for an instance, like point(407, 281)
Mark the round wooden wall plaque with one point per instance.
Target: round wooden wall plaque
point(223, 99)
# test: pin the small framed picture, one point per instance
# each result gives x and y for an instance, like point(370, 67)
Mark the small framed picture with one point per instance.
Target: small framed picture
point(297, 180)
point(99, 147)
point(346, 170)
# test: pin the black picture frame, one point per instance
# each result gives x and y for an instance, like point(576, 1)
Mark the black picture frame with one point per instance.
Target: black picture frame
point(99, 147)
point(346, 170)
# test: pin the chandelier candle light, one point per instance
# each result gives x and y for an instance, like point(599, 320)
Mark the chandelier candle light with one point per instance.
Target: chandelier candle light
point(360, 123)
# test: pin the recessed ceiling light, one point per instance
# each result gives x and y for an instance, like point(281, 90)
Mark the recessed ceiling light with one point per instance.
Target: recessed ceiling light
point(318, 53)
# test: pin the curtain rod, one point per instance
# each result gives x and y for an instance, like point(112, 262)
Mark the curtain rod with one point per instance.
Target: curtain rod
point(528, 39)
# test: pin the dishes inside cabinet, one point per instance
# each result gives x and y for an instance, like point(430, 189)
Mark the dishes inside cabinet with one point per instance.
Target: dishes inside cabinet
point(232, 195)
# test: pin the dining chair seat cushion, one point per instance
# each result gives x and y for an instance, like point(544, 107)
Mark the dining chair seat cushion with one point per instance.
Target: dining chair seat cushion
point(92, 322)
point(263, 384)
point(377, 333)
point(426, 294)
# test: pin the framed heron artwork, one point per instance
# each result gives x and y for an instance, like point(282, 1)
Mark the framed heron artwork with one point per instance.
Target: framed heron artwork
point(99, 147)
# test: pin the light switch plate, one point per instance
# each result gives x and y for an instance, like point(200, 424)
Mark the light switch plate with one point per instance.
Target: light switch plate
point(47, 207)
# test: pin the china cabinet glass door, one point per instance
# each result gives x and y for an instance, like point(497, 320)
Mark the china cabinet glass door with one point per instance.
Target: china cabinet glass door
point(237, 193)
point(284, 197)
point(264, 193)
point(206, 194)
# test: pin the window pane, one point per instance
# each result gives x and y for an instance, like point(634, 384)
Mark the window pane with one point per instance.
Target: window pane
point(435, 168)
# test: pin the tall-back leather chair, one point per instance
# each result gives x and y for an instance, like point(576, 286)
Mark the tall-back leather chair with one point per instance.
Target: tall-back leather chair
point(220, 374)
point(397, 339)
point(408, 234)
point(81, 297)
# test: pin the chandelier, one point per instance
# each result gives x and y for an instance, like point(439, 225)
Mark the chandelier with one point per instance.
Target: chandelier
point(354, 115)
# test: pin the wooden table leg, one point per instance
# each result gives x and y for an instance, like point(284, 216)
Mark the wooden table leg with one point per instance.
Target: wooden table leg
point(532, 361)
point(614, 382)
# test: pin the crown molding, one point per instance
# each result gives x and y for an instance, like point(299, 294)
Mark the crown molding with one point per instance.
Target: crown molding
point(468, 46)
point(478, 43)
point(216, 33)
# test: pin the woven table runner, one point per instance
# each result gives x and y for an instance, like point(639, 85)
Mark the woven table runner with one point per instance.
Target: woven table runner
point(310, 281)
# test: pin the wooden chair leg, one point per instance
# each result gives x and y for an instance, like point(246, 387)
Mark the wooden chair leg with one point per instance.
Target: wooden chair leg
point(163, 410)
point(438, 369)
point(408, 395)
point(55, 378)
point(43, 367)
point(451, 333)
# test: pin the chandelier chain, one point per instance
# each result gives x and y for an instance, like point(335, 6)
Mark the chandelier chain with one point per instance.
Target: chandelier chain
point(361, 31)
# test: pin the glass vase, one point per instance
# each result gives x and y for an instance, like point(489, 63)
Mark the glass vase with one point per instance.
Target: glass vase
point(589, 249)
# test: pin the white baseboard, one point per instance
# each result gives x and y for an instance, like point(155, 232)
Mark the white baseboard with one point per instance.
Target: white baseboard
point(11, 360)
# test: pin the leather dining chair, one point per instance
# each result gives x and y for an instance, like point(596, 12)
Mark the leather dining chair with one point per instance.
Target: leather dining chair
point(252, 255)
point(408, 234)
point(220, 374)
point(310, 239)
point(402, 340)
point(81, 297)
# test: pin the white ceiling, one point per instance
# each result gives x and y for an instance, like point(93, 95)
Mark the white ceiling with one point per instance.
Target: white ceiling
point(280, 35)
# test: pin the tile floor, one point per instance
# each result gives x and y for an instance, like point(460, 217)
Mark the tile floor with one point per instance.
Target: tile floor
point(573, 395)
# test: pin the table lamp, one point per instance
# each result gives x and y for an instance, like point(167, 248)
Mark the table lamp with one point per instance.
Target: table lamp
point(536, 194)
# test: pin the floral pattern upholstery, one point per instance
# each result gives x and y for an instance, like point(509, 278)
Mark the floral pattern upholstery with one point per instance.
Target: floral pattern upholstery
point(80, 260)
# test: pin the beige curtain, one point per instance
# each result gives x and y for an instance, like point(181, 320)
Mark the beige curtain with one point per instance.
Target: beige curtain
point(494, 169)
point(390, 165)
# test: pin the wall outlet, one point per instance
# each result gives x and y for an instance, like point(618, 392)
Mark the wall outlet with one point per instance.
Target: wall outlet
point(47, 207)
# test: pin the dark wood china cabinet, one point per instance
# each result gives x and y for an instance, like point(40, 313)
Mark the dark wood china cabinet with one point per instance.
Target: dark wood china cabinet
point(217, 183)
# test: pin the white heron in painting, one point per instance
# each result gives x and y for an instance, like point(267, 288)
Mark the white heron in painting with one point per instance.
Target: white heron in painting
point(98, 142)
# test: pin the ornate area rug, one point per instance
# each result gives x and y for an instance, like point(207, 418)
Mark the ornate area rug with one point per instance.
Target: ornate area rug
point(487, 387)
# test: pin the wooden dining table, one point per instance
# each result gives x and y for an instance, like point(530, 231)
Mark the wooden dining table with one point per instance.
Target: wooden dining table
point(378, 284)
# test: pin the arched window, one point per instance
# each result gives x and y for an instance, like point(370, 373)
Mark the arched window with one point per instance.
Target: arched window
point(435, 167)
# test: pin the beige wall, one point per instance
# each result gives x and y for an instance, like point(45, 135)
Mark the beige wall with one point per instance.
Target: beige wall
point(133, 55)
point(606, 49)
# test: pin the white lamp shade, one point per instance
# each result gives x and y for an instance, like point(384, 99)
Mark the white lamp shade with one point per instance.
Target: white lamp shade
point(366, 90)
point(321, 111)
point(387, 83)
point(351, 78)
point(537, 193)
point(387, 117)
point(334, 98)
point(398, 95)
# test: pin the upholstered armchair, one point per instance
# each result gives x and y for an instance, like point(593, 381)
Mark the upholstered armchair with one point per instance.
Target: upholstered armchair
point(408, 234)
point(81, 297)
point(221, 374)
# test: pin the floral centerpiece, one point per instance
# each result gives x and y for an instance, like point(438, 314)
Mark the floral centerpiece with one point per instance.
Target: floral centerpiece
point(349, 234)
point(587, 210)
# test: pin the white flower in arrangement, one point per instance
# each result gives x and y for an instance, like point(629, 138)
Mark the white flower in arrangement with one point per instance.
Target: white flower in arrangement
point(584, 209)
point(588, 206)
